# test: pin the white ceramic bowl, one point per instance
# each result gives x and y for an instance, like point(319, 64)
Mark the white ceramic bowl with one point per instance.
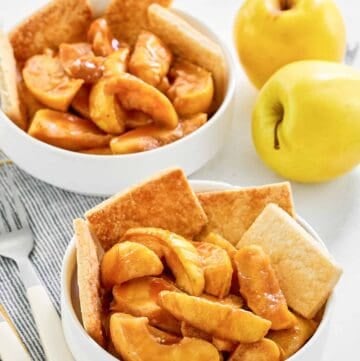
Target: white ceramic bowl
point(85, 349)
point(105, 175)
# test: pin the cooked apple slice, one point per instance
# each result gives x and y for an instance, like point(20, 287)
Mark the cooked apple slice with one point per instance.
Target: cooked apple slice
point(264, 350)
point(67, 131)
point(222, 321)
point(130, 145)
point(136, 119)
point(28, 102)
point(190, 331)
point(224, 345)
point(162, 337)
point(138, 298)
point(102, 40)
point(69, 53)
point(135, 94)
point(151, 59)
point(126, 261)
point(105, 110)
point(180, 255)
point(134, 342)
point(79, 62)
point(46, 79)
point(192, 123)
point(260, 287)
point(230, 300)
point(217, 268)
point(80, 102)
point(144, 138)
point(192, 89)
point(116, 63)
point(292, 339)
point(218, 240)
point(98, 151)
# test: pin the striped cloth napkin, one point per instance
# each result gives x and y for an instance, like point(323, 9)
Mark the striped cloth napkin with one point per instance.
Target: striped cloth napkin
point(50, 213)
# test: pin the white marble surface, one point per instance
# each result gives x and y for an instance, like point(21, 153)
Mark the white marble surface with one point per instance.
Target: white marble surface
point(332, 208)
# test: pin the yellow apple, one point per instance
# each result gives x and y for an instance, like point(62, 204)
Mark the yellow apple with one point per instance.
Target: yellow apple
point(306, 121)
point(272, 33)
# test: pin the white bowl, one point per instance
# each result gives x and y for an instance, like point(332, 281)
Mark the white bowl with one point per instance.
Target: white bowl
point(105, 175)
point(84, 348)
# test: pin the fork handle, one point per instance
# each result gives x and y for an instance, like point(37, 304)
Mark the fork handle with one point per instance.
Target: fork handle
point(48, 325)
point(11, 347)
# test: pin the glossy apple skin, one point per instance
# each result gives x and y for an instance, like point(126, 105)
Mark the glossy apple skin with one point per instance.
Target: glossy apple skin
point(268, 38)
point(316, 105)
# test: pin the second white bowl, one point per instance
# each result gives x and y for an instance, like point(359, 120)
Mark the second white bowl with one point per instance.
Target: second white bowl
point(84, 348)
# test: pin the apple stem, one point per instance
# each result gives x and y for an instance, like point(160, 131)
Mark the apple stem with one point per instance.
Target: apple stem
point(285, 5)
point(276, 137)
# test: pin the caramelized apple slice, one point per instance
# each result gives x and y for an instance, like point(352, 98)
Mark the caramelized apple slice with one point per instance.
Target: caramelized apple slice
point(190, 331)
point(98, 151)
point(144, 138)
point(105, 111)
point(222, 321)
point(46, 79)
point(180, 255)
point(192, 90)
point(292, 339)
point(67, 131)
point(264, 350)
point(134, 342)
point(29, 103)
point(80, 102)
point(163, 337)
point(133, 93)
point(218, 240)
point(101, 38)
point(128, 145)
point(192, 123)
point(217, 268)
point(151, 59)
point(68, 53)
point(260, 287)
point(80, 62)
point(230, 300)
point(138, 298)
point(126, 261)
point(116, 63)
point(136, 119)
point(224, 345)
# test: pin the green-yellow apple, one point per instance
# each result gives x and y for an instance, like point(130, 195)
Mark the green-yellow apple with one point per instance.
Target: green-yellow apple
point(272, 33)
point(306, 121)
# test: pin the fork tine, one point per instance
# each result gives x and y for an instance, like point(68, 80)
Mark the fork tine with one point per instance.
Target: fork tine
point(19, 207)
point(351, 53)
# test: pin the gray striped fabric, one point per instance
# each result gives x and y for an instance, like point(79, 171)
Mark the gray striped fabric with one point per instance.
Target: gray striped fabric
point(50, 213)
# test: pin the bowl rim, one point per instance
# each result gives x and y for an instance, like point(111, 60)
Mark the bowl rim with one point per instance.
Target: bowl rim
point(229, 92)
point(197, 185)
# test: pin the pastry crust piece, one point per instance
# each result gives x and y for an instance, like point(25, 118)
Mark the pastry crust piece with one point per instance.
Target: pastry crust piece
point(88, 275)
point(127, 18)
point(186, 41)
point(232, 212)
point(9, 96)
point(306, 272)
point(164, 201)
point(60, 21)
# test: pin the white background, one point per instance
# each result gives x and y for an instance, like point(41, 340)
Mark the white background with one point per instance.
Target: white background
point(333, 208)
